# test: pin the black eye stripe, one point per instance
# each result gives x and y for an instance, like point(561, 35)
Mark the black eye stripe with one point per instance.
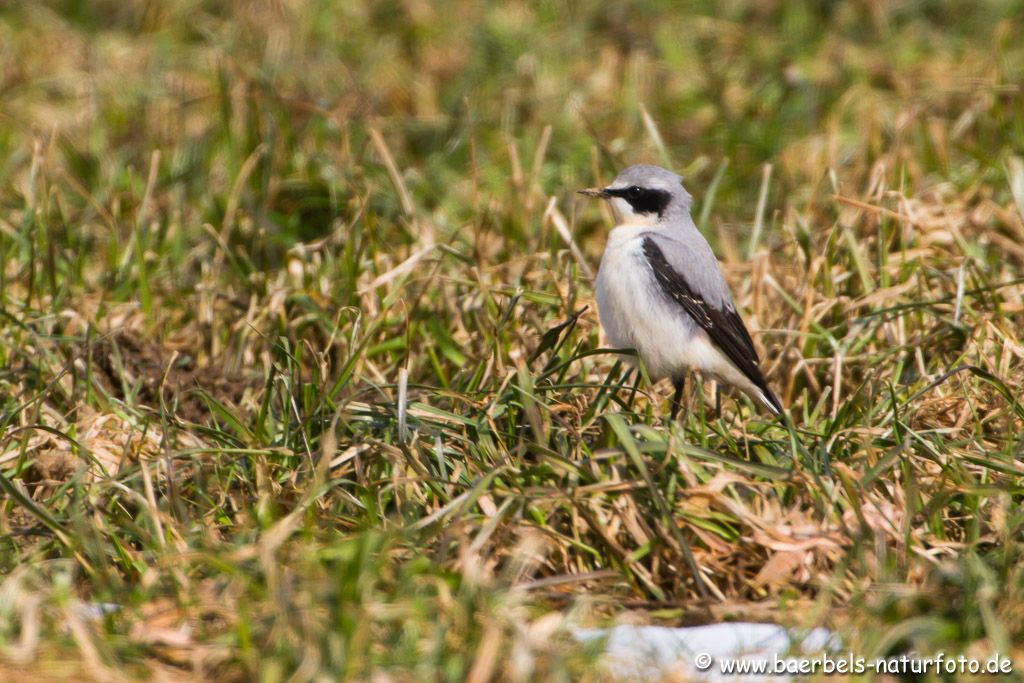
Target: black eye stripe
point(644, 200)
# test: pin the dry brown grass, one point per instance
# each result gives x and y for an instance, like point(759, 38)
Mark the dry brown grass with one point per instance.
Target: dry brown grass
point(283, 375)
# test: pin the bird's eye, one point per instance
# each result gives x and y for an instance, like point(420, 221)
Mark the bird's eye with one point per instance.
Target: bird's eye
point(634, 192)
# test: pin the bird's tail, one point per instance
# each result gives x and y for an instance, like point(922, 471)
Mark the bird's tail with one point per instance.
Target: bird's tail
point(770, 400)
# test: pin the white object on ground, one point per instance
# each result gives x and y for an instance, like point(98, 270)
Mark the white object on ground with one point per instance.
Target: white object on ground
point(656, 653)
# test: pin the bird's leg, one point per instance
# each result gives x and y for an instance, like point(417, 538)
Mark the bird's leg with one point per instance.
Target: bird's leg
point(636, 385)
point(718, 401)
point(679, 383)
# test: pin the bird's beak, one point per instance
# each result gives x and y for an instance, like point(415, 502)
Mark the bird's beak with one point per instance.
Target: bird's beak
point(596, 192)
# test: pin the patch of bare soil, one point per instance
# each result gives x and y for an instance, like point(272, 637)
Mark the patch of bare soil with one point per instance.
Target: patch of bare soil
point(144, 373)
point(125, 364)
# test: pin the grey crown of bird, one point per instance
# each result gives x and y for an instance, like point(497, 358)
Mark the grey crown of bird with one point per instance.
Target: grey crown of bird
point(661, 292)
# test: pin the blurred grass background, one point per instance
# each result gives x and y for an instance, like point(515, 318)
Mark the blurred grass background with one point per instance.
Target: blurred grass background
point(287, 389)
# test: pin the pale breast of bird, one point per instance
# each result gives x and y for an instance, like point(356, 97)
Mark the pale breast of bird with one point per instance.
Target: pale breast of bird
point(636, 314)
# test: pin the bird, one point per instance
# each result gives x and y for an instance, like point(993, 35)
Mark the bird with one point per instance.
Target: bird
point(660, 290)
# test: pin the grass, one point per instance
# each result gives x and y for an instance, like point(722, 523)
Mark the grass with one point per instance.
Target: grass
point(302, 377)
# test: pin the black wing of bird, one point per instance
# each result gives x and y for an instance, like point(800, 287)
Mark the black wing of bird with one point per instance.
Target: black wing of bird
point(723, 325)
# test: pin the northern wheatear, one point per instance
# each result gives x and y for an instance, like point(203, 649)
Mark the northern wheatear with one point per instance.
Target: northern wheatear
point(661, 292)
